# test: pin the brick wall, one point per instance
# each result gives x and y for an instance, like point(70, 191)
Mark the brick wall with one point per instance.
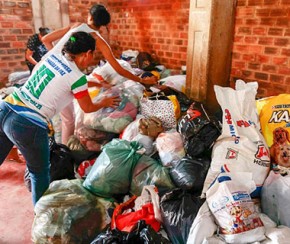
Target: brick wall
point(261, 50)
point(15, 29)
point(261, 43)
point(153, 26)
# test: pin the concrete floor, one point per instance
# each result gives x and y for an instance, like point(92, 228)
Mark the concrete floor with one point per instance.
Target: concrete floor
point(16, 209)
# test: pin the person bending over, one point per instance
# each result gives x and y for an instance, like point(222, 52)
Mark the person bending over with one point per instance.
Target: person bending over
point(25, 114)
point(98, 16)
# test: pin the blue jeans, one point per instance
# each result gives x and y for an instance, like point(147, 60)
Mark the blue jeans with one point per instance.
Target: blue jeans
point(32, 141)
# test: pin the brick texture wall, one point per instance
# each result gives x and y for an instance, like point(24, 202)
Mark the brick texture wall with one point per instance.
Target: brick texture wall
point(261, 50)
point(15, 29)
point(159, 27)
point(261, 43)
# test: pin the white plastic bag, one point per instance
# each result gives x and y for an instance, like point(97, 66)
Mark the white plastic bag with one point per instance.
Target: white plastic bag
point(107, 73)
point(275, 198)
point(241, 147)
point(169, 145)
point(234, 211)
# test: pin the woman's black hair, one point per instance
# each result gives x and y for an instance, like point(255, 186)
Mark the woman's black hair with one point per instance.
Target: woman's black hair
point(101, 16)
point(79, 42)
point(43, 31)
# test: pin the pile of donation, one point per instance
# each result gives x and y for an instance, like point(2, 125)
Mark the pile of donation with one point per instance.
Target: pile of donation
point(166, 171)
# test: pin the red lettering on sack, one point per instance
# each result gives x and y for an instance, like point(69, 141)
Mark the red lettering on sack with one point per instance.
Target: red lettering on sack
point(262, 152)
point(243, 123)
point(228, 117)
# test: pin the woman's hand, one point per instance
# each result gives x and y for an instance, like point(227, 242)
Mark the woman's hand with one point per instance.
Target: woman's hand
point(149, 80)
point(112, 102)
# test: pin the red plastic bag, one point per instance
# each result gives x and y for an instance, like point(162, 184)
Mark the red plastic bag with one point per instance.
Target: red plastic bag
point(127, 221)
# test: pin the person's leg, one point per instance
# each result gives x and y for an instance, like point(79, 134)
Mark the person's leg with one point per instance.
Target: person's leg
point(5, 144)
point(67, 122)
point(32, 142)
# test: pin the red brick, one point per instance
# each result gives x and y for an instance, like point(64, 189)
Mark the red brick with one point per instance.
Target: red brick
point(286, 52)
point(7, 24)
point(280, 60)
point(238, 39)
point(236, 56)
point(268, 21)
point(279, 12)
point(254, 66)
point(239, 65)
point(255, 2)
point(256, 49)
point(271, 50)
point(243, 12)
point(23, 5)
point(9, 4)
point(259, 31)
point(283, 22)
point(263, 12)
point(275, 31)
point(261, 76)
point(252, 21)
point(247, 73)
point(4, 45)
point(271, 2)
point(281, 41)
point(251, 39)
point(18, 44)
point(9, 38)
point(244, 30)
point(261, 58)
point(266, 41)
point(241, 48)
point(241, 3)
point(249, 57)
point(12, 51)
point(269, 68)
point(284, 70)
point(276, 78)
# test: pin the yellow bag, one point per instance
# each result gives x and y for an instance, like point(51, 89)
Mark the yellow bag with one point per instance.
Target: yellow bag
point(274, 115)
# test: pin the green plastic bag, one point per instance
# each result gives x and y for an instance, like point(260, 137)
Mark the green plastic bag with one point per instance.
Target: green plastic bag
point(111, 174)
point(149, 171)
point(68, 213)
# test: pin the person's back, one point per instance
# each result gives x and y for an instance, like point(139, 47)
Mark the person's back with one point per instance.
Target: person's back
point(35, 48)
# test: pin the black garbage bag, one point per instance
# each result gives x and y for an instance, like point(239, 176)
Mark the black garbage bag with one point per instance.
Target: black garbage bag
point(202, 141)
point(62, 163)
point(178, 211)
point(142, 234)
point(189, 173)
point(198, 129)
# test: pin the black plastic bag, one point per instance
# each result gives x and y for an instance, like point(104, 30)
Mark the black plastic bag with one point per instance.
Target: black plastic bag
point(198, 129)
point(142, 234)
point(62, 163)
point(189, 173)
point(178, 211)
point(202, 141)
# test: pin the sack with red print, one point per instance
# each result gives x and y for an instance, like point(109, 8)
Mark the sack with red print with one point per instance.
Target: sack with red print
point(241, 147)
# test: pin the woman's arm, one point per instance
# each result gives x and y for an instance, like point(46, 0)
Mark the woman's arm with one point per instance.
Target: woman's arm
point(88, 106)
point(48, 39)
point(106, 50)
point(28, 56)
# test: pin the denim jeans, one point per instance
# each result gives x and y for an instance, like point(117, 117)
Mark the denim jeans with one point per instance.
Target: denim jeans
point(32, 141)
